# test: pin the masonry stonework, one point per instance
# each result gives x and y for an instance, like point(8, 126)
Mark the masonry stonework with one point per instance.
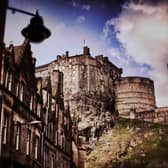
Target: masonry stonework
point(35, 123)
point(88, 87)
point(134, 94)
point(96, 94)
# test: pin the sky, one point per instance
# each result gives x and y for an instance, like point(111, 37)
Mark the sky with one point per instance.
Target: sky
point(132, 33)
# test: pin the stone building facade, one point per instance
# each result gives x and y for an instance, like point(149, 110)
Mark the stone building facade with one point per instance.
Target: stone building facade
point(88, 87)
point(35, 124)
point(85, 78)
point(96, 93)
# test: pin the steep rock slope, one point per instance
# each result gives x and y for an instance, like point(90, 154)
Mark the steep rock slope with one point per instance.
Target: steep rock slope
point(131, 144)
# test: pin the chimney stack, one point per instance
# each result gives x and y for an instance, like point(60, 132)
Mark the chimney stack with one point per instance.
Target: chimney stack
point(67, 53)
point(86, 50)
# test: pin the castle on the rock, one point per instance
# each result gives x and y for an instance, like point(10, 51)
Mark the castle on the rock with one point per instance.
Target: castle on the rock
point(87, 78)
point(94, 89)
point(52, 115)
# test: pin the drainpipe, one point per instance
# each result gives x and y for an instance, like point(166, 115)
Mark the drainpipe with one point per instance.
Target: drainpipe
point(3, 7)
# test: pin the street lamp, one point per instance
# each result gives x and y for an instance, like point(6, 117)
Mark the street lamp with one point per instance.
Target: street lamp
point(36, 32)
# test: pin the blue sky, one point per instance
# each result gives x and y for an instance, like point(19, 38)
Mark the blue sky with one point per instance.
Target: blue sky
point(133, 34)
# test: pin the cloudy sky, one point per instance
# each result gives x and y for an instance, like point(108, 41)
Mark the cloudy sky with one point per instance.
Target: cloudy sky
point(133, 34)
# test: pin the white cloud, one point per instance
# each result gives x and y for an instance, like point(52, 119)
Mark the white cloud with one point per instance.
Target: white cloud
point(80, 19)
point(143, 31)
point(74, 3)
point(64, 37)
point(86, 7)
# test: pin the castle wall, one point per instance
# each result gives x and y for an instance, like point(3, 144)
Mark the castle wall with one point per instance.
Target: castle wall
point(158, 115)
point(134, 94)
point(83, 73)
point(88, 87)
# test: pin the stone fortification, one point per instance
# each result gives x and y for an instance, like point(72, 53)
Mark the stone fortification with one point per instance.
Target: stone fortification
point(94, 90)
point(158, 115)
point(88, 88)
point(134, 94)
point(88, 84)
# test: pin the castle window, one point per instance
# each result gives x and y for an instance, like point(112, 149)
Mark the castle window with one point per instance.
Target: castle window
point(18, 136)
point(28, 142)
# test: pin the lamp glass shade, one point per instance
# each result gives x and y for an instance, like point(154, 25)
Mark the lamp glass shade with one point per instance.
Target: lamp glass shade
point(36, 32)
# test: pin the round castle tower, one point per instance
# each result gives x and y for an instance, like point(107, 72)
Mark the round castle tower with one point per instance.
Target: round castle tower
point(134, 94)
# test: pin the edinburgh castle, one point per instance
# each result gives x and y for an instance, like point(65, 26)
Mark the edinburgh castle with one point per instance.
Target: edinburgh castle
point(53, 115)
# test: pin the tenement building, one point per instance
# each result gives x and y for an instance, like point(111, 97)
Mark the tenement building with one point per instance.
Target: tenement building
point(35, 123)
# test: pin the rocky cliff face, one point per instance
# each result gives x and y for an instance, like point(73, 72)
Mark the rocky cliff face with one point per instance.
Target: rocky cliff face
point(131, 144)
point(94, 114)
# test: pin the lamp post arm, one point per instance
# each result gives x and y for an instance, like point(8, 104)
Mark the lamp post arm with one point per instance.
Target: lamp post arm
point(21, 11)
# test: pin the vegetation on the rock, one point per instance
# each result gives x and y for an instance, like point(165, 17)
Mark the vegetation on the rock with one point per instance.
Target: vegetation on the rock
point(131, 144)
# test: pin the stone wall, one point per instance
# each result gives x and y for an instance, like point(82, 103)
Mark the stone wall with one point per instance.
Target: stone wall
point(134, 94)
point(88, 87)
point(158, 115)
point(94, 90)
point(83, 73)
